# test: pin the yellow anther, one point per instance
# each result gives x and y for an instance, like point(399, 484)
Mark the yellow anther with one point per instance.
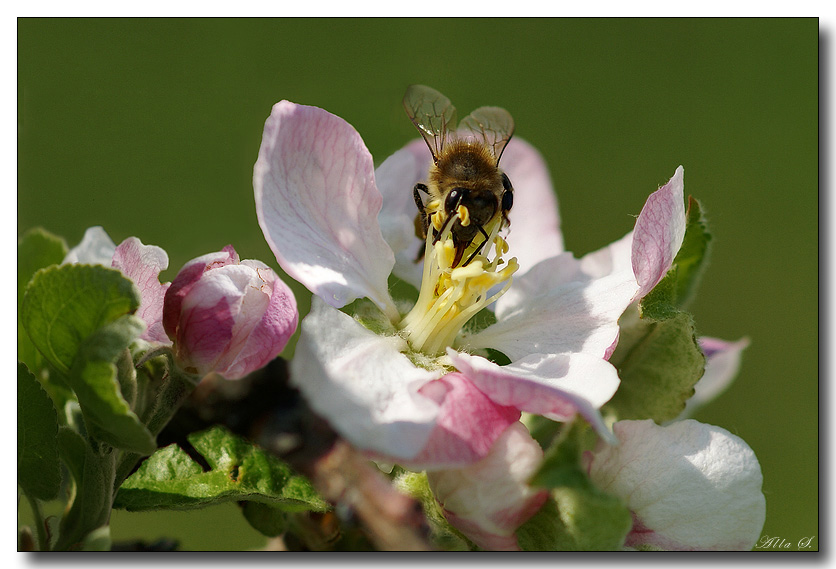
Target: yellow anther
point(501, 245)
point(436, 220)
point(464, 215)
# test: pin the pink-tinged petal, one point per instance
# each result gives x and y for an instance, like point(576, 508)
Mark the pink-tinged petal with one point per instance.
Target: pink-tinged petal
point(317, 205)
point(467, 425)
point(261, 335)
point(534, 233)
point(690, 486)
point(208, 318)
point(722, 362)
point(96, 248)
point(659, 231)
point(556, 386)
point(362, 384)
point(396, 178)
point(188, 276)
point(555, 308)
point(143, 264)
point(489, 500)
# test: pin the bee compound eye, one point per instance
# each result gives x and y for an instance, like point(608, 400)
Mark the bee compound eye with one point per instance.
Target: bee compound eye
point(506, 182)
point(451, 202)
point(507, 200)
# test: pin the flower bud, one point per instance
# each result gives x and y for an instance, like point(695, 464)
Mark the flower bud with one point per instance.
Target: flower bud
point(228, 316)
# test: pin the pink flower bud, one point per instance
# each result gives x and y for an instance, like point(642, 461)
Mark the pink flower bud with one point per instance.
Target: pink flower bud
point(228, 316)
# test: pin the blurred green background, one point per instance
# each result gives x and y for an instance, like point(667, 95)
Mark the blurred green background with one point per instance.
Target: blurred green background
point(151, 127)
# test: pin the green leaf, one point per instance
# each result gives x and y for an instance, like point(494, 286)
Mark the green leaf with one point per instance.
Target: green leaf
point(170, 479)
point(95, 379)
point(577, 516)
point(444, 536)
point(268, 520)
point(577, 519)
point(658, 363)
point(65, 304)
point(561, 464)
point(36, 249)
point(693, 255)
point(38, 468)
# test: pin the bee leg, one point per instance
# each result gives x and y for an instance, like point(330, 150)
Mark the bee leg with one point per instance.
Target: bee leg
point(422, 222)
point(450, 207)
point(479, 248)
point(422, 210)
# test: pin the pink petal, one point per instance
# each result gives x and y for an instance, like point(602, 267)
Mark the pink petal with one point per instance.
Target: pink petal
point(187, 278)
point(236, 319)
point(690, 486)
point(467, 425)
point(209, 318)
point(659, 231)
point(363, 385)
point(556, 386)
point(270, 330)
point(317, 205)
point(557, 308)
point(490, 499)
point(534, 233)
point(143, 264)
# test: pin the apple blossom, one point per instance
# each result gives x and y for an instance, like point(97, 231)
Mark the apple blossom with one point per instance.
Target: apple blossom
point(228, 316)
point(341, 228)
point(689, 486)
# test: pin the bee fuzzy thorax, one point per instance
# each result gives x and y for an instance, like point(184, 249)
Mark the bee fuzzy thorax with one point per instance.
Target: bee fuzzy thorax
point(465, 162)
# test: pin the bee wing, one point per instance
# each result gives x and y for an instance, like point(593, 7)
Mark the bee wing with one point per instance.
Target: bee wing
point(432, 113)
point(494, 125)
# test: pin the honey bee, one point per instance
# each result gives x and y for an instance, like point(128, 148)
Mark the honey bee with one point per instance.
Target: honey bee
point(466, 187)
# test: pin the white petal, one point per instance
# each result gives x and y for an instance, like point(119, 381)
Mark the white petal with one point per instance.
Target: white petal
point(690, 486)
point(317, 205)
point(614, 258)
point(96, 248)
point(556, 385)
point(557, 308)
point(396, 178)
point(722, 362)
point(362, 385)
point(534, 233)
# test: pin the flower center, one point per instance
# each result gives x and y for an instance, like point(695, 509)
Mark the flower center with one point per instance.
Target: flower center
point(449, 295)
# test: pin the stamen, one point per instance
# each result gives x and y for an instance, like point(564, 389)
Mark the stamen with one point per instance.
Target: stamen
point(464, 215)
point(450, 296)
